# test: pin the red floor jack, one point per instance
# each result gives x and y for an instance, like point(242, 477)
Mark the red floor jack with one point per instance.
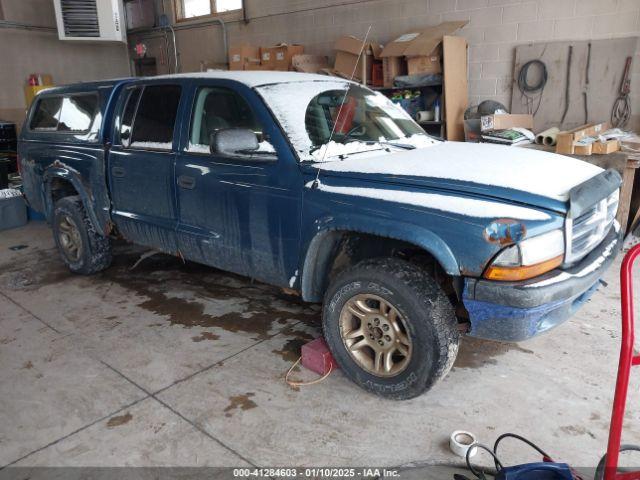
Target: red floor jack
point(608, 467)
point(627, 360)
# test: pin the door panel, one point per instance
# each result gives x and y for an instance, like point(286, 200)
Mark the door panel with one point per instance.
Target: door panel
point(239, 214)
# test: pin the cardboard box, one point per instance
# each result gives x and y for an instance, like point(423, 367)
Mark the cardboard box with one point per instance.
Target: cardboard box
point(422, 47)
point(309, 63)
point(239, 54)
point(254, 64)
point(266, 59)
point(630, 144)
point(349, 60)
point(391, 68)
point(424, 65)
point(566, 140)
point(279, 56)
point(604, 148)
point(502, 121)
point(377, 74)
point(582, 148)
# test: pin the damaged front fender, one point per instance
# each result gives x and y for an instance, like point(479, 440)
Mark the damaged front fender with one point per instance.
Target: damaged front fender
point(319, 247)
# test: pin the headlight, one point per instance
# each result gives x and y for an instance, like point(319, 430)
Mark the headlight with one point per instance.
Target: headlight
point(529, 258)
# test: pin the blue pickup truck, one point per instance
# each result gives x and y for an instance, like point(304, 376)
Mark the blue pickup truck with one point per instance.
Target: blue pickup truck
point(325, 187)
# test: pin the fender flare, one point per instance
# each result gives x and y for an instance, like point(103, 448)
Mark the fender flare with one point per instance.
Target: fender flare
point(322, 244)
point(64, 172)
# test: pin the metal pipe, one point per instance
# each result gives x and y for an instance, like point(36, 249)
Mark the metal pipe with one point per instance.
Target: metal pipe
point(175, 49)
point(150, 32)
point(224, 37)
point(627, 360)
point(25, 26)
point(165, 24)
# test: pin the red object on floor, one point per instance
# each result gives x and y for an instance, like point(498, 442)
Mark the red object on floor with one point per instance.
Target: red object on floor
point(317, 357)
point(628, 359)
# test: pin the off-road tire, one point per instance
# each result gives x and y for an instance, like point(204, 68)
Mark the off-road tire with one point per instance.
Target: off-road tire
point(96, 249)
point(428, 314)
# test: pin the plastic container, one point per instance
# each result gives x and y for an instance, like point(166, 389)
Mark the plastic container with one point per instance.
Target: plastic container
point(472, 131)
point(4, 172)
point(34, 216)
point(13, 209)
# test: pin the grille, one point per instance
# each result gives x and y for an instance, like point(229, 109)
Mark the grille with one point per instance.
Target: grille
point(80, 18)
point(583, 233)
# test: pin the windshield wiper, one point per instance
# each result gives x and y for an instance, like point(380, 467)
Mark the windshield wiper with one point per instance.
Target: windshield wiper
point(405, 146)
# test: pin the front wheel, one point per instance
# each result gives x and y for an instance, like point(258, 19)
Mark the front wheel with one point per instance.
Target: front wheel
point(390, 327)
point(83, 249)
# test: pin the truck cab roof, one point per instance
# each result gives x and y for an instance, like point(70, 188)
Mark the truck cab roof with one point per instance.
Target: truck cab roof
point(251, 78)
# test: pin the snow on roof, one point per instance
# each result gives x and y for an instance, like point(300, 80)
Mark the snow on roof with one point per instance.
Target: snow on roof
point(254, 78)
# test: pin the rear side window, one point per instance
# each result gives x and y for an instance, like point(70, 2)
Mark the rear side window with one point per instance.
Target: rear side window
point(46, 114)
point(155, 117)
point(65, 113)
point(78, 112)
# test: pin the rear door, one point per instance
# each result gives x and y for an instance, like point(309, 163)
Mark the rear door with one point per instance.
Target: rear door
point(141, 165)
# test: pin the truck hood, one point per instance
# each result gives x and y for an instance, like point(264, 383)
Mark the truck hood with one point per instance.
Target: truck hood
point(516, 174)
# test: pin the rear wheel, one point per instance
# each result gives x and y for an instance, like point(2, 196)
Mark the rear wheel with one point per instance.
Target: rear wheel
point(390, 327)
point(83, 249)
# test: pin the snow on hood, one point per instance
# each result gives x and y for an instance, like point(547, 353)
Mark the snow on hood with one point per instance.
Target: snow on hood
point(470, 207)
point(542, 173)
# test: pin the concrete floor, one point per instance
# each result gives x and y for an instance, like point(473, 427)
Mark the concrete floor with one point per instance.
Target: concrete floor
point(182, 365)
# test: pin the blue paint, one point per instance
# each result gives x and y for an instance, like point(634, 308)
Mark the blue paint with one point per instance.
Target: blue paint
point(536, 471)
point(263, 219)
point(505, 323)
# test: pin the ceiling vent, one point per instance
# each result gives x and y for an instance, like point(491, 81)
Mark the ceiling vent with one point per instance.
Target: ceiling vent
point(90, 20)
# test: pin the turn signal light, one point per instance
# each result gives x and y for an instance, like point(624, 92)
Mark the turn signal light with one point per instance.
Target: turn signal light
point(512, 274)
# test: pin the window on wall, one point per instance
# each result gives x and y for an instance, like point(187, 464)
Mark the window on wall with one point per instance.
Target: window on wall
point(186, 9)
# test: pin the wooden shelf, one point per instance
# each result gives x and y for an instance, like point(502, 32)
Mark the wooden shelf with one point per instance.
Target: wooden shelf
point(407, 88)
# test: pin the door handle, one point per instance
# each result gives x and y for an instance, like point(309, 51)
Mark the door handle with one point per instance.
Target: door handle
point(118, 171)
point(185, 181)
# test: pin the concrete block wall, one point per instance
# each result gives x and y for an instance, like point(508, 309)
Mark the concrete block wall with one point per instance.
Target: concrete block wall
point(495, 28)
point(26, 51)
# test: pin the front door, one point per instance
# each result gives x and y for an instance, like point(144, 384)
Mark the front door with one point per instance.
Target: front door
point(237, 213)
point(141, 166)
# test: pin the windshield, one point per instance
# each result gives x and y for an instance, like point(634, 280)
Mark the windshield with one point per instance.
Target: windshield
point(361, 120)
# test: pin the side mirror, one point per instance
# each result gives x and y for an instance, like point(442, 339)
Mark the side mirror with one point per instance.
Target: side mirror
point(234, 142)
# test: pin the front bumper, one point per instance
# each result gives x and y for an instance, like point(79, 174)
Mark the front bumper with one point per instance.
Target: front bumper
point(516, 311)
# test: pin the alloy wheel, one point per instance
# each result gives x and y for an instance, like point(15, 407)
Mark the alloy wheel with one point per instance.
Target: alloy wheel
point(376, 335)
point(70, 238)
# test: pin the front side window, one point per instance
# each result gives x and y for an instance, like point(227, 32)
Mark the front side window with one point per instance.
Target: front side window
point(221, 108)
point(154, 118)
point(329, 118)
point(186, 9)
